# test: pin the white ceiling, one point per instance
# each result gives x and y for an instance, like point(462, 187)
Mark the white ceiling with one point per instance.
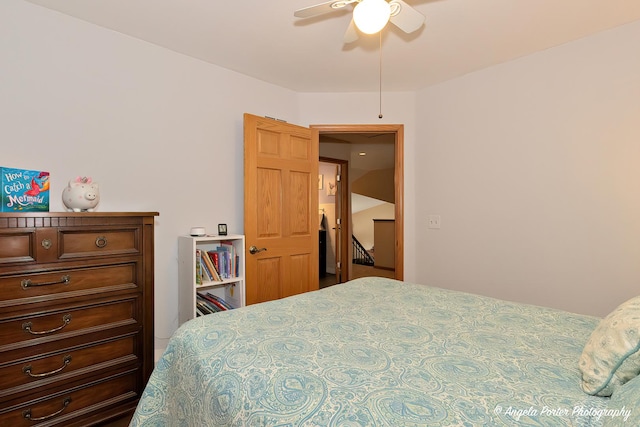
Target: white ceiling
point(262, 38)
point(379, 149)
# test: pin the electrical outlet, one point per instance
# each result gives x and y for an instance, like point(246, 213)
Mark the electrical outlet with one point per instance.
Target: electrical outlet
point(433, 221)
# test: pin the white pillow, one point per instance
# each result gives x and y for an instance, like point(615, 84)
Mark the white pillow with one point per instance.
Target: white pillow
point(611, 357)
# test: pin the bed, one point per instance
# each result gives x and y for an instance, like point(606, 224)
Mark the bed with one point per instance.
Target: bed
point(378, 352)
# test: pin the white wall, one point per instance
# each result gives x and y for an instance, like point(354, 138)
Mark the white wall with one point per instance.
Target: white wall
point(159, 131)
point(534, 166)
point(363, 222)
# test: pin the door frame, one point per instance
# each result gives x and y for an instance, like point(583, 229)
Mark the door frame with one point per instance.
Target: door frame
point(345, 215)
point(398, 130)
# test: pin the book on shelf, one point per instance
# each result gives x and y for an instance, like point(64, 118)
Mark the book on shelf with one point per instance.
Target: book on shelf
point(207, 262)
point(217, 300)
point(226, 259)
point(213, 302)
point(233, 258)
point(221, 263)
point(236, 268)
point(198, 267)
point(213, 255)
point(203, 308)
point(206, 305)
point(206, 270)
point(221, 260)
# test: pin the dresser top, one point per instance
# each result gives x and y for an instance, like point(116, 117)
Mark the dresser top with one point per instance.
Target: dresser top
point(73, 214)
point(72, 219)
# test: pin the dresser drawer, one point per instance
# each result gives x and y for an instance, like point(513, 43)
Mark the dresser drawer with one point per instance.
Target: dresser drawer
point(44, 245)
point(98, 243)
point(65, 323)
point(52, 285)
point(16, 246)
point(66, 365)
point(61, 408)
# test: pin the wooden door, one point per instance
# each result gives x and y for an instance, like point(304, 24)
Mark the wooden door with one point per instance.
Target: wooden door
point(342, 225)
point(343, 222)
point(280, 209)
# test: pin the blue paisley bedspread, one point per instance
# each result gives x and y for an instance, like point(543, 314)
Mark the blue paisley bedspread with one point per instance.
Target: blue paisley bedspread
point(375, 352)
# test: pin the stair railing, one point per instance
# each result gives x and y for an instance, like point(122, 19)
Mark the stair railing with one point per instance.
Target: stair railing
point(360, 254)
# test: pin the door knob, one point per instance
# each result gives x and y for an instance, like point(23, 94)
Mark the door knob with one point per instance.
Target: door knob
point(254, 250)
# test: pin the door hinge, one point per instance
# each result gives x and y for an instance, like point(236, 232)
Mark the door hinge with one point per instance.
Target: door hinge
point(338, 264)
point(338, 177)
point(339, 221)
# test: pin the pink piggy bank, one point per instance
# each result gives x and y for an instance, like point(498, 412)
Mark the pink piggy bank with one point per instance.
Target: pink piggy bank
point(81, 195)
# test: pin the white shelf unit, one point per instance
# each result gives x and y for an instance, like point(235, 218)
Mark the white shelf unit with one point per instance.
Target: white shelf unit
point(231, 290)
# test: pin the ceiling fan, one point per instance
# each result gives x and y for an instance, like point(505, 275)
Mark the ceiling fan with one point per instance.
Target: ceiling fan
point(398, 12)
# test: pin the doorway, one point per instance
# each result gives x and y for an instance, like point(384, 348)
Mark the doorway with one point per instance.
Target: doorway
point(381, 147)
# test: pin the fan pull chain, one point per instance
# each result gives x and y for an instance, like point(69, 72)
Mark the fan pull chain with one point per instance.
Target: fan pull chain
point(380, 77)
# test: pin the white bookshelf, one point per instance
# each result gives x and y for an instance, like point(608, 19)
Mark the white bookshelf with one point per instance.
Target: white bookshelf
point(232, 290)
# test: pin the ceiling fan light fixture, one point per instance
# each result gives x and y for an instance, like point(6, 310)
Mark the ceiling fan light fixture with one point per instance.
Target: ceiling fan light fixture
point(340, 4)
point(370, 16)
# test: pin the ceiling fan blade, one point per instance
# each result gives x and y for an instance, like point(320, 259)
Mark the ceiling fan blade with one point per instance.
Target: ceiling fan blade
point(406, 18)
point(351, 34)
point(321, 8)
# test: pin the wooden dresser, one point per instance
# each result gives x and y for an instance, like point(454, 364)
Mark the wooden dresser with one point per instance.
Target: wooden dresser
point(76, 316)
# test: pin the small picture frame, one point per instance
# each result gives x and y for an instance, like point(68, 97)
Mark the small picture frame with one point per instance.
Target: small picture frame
point(331, 188)
point(222, 229)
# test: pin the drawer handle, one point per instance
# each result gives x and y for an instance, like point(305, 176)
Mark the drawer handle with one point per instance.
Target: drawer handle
point(65, 362)
point(46, 243)
point(27, 283)
point(101, 242)
point(66, 319)
point(27, 413)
